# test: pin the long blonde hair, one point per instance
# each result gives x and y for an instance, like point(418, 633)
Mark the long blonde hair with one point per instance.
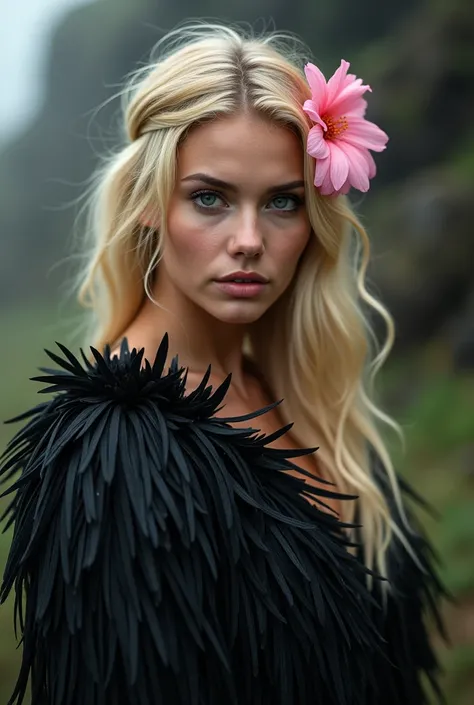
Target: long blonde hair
point(327, 356)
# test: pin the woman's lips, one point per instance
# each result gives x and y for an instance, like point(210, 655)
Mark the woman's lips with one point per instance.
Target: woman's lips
point(241, 290)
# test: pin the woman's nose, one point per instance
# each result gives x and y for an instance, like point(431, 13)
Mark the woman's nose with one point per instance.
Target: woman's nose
point(247, 238)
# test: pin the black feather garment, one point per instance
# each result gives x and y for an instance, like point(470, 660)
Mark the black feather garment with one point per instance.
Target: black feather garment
point(408, 670)
point(162, 556)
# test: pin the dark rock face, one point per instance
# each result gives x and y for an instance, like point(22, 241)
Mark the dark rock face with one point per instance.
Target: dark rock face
point(422, 214)
point(423, 261)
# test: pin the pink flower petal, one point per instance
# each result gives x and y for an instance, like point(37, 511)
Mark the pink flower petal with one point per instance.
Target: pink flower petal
point(362, 133)
point(316, 81)
point(316, 144)
point(358, 176)
point(336, 83)
point(349, 100)
point(357, 110)
point(321, 171)
point(327, 188)
point(339, 168)
point(310, 109)
point(369, 160)
point(372, 169)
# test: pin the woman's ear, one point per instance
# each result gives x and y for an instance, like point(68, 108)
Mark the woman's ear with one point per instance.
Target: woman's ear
point(150, 218)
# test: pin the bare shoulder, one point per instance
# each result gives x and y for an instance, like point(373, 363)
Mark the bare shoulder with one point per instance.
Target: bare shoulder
point(193, 380)
point(139, 340)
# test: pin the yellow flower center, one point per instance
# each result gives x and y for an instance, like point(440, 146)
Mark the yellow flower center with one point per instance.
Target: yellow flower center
point(335, 126)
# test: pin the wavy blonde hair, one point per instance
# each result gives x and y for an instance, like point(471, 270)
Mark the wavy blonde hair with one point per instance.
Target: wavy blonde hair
point(327, 353)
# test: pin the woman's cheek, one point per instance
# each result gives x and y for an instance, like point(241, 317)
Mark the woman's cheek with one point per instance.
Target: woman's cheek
point(294, 244)
point(185, 237)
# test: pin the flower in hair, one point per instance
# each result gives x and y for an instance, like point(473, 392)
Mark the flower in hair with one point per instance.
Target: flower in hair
point(341, 137)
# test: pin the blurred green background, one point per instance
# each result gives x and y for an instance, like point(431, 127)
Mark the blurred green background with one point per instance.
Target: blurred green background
point(418, 55)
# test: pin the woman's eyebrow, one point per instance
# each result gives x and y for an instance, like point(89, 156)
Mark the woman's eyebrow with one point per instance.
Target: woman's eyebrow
point(212, 181)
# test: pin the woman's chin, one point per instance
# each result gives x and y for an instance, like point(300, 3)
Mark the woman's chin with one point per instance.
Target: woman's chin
point(239, 313)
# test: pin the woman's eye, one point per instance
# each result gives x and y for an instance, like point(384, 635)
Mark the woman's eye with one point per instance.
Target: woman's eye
point(285, 203)
point(212, 201)
point(206, 199)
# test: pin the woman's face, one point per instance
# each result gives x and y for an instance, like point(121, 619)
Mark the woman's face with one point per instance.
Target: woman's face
point(237, 213)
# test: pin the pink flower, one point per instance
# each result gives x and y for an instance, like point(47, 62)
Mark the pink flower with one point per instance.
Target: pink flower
point(341, 137)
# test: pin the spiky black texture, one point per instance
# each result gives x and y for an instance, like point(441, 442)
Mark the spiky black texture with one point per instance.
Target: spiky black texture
point(408, 669)
point(168, 557)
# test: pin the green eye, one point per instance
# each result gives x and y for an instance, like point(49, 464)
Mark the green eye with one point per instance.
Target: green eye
point(206, 200)
point(285, 203)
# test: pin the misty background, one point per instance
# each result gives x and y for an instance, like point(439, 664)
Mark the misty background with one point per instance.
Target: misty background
point(61, 61)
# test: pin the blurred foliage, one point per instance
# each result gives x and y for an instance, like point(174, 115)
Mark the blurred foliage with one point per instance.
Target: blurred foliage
point(436, 411)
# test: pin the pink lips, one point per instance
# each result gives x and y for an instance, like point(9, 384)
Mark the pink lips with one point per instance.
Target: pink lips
point(241, 290)
point(245, 276)
point(242, 285)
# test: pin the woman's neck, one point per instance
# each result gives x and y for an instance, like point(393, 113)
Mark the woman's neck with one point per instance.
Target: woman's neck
point(198, 339)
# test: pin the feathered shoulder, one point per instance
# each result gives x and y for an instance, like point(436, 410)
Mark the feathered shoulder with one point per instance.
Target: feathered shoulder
point(160, 555)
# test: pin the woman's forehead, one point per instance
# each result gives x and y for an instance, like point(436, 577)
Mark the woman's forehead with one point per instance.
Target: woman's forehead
point(243, 147)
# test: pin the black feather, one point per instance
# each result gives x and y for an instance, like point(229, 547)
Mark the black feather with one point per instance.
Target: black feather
point(407, 668)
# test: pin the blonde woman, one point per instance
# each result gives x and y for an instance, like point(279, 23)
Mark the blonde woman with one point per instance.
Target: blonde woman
point(174, 542)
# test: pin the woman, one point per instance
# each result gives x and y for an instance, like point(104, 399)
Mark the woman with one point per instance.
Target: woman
point(170, 553)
